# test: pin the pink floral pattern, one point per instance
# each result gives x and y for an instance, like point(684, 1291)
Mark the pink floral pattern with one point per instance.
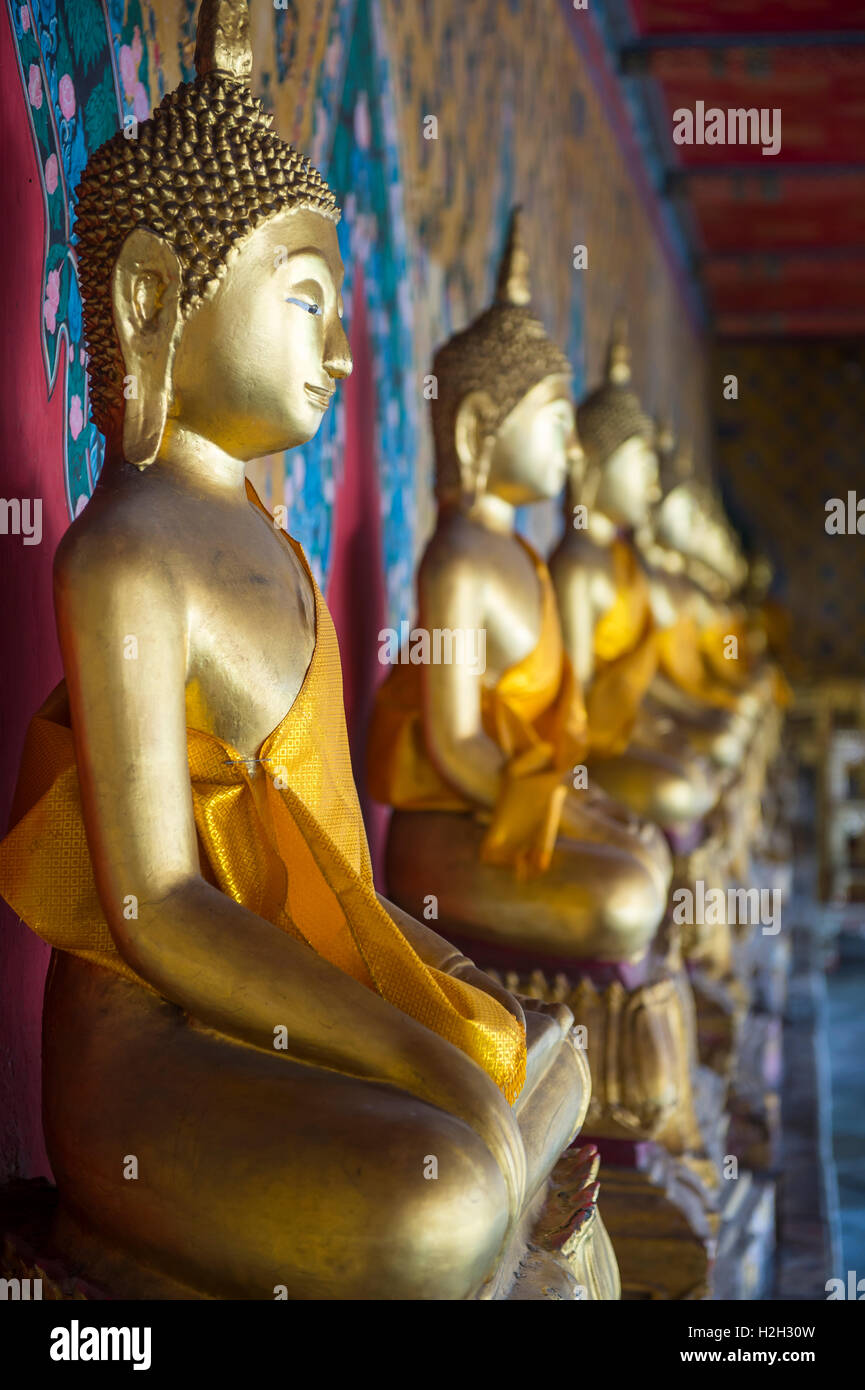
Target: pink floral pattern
point(76, 417)
point(25, 18)
point(52, 300)
point(130, 57)
point(34, 86)
point(66, 96)
point(141, 102)
point(52, 172)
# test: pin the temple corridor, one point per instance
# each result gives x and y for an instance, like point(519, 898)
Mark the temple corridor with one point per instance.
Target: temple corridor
point(432, 675)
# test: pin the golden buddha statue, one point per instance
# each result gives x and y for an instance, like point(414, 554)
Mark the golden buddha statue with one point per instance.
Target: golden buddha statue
point(704, 679)
point(495, 831)
point(645, 757)
point(478, 764)
point(605, 605)
point(251, 1060)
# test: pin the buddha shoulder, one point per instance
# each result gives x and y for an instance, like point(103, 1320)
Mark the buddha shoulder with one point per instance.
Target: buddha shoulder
point(579, 548)
point(462, 561)
point(120, 551)
point(580, 561)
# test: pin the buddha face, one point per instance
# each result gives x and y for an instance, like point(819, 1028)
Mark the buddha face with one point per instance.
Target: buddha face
point(252, 369)
point(680, 521)
point(535, 444)
point(256, 365)
point(721, 550)
point(629, 483)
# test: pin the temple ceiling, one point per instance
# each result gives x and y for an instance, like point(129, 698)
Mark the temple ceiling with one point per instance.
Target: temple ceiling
point(775, 241)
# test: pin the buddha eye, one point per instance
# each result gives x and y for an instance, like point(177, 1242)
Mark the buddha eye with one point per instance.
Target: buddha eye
point(303, 304)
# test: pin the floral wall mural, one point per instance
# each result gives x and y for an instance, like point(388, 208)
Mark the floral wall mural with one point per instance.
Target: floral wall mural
point(354, 84)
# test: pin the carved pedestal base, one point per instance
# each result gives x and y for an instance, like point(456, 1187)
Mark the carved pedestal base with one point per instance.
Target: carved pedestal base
point(665, 1239)
point(721, 1009)
point(754, 1101)
point(746, 1248)
point(663, 1138)
point(711, 952)
point(567, 1253)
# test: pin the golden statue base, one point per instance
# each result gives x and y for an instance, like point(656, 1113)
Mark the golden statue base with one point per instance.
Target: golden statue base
point(664, 1236)
point(563, 1251)
point(560, 1251)
point(656, 1118)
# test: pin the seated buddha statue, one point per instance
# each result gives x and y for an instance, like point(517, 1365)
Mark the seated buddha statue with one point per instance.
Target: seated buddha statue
point(250, 1059)
point(647, 761)
point(605, 606)
point(478, 764)
point(737, 667)
point(707, 689)
point(495, 831)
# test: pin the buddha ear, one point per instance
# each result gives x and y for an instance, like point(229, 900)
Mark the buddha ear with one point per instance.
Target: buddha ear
point(578, 472)
point(474, 439)
point(145, 297)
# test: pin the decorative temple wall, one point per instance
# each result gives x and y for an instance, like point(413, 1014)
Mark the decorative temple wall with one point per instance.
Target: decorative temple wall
point(526, 111)
point(793, 440)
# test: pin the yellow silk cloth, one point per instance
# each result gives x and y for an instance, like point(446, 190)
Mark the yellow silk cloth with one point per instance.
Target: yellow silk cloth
point(626, 657)
point(535, 715)
point(738, 671)
point(682, 660)
point(730, 663)
point(294, 852)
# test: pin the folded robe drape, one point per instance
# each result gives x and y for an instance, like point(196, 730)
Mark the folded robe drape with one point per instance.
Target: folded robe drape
point(534, 713)
point(293, 850)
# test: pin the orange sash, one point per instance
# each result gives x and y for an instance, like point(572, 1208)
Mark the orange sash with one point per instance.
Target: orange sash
point(626, 657)
point(295, 854)
point(536, 716)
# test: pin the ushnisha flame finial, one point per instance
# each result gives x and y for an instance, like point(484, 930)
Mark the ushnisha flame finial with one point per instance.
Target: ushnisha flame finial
point(683, 463)
point(514, 284)
point(619, 352)
point(612, 413)
point(222, 41)
point(504, 353)
point(665, 435)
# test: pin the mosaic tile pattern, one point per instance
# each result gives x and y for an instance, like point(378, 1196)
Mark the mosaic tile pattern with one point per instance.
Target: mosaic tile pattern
point(519, 119)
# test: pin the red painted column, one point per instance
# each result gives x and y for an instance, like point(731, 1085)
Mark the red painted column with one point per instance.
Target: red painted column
point(31, 462)
point(356, 592)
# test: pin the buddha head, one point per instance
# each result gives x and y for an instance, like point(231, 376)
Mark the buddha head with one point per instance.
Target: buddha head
point(679, 518)
point(760, 577)
point(210, 268)
point(723, 551)
point(690, 521)
point(503, 418)
point(621, 472)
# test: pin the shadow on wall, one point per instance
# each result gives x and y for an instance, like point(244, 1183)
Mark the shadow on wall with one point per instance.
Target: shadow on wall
point(791, 441)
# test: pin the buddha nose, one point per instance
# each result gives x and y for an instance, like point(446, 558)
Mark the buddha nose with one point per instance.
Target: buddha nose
point(337, 355)
point(576, 456)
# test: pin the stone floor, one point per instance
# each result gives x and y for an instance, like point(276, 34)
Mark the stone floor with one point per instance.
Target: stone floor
point(845, 1010)
point(808, 1247)
point(821, 1198)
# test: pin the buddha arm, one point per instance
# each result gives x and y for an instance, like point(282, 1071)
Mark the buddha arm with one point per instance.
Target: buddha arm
point(546, 1023)
point(578, 614)
point(225, 966)
point(662, 599)
point(450, 597)
point(434, 950)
